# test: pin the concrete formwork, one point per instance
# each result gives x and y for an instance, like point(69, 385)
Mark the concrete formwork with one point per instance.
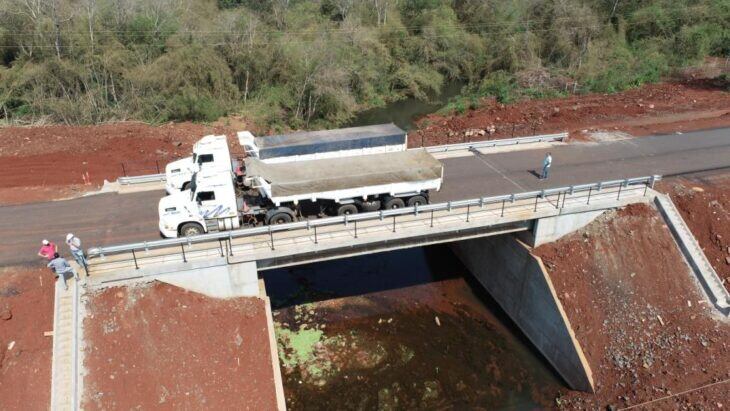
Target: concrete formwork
point(519, 283)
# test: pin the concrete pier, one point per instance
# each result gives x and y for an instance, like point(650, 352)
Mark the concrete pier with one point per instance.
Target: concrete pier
point(519, 283)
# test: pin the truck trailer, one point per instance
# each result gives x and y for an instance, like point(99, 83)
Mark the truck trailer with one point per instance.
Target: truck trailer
point(283, 192)
point(300, 146)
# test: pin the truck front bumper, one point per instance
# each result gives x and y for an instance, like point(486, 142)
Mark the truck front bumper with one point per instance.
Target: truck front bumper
point(167, 232)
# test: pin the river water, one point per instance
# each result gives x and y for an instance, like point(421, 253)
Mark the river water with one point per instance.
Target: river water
point(407, 329)
point(405, 112)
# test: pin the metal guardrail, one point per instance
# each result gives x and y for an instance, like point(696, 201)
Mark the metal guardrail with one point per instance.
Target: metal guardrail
point(216, 238)
point(149, 178)
point(498, 143)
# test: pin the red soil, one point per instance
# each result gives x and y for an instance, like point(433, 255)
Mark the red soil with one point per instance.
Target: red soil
point(59, 155)
point(174, 349)
point(705, 206)
point(658, 108)
point(639, 315)
point(26, 312)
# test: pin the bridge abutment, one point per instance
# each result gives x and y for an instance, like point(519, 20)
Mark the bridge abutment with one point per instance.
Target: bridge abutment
point(549, 229)
point(221, 281)
point(519, 283)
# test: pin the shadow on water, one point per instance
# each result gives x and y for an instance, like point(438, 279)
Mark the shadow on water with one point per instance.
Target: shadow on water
point(405, 112)
point(496, 336)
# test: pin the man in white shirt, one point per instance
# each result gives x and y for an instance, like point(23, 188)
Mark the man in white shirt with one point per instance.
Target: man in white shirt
point(74, 243)
point(546, 166)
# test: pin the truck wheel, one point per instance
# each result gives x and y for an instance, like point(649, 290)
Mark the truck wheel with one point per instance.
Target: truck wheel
point(417, 200)
point(393, 202)
point(191, 229)
point(185, 186)
point(366, 206)
point(280, 218)
point(347, 209)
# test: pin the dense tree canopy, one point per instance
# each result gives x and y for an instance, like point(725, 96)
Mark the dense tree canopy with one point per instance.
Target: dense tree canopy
point(310, 63)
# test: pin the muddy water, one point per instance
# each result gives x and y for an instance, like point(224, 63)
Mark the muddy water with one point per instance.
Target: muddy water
point(405, 112)
point(400, 330)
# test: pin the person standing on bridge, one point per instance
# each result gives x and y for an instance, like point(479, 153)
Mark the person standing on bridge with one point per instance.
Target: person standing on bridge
point(61, 267)
point(47, 250)
point(75, 245)
point(546, 164)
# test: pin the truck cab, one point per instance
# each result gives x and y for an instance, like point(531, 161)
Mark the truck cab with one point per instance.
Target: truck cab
point(210, 153)
point(209, 204)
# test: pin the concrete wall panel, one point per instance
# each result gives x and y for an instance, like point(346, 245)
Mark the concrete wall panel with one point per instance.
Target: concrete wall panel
point(519, 283)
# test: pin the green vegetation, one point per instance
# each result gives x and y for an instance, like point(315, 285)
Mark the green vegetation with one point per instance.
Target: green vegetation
point(314, 63)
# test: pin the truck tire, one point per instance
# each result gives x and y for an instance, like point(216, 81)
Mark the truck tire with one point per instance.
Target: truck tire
point(347, 209)
point(366, 206)
point(191, 229)
point(393, 202)
point(185, 186)
point(418, 200)
point(280, 218)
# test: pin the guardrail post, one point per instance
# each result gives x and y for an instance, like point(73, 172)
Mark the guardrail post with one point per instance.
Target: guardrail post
point(468, 209)
point(537, 197)
point(271, 236)
point(557, 203)
point(182, 247)
point(503, 203)
point(220, 244)
point(590, 189)
point(394, 224)
point(230, 244)
point(431, 218)
point(355, 228)
point(315, 234)
point(620, 186)
point(136, 266)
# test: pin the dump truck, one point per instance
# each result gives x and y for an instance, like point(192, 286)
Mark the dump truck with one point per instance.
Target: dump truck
point(278, 193)
point(211, 152)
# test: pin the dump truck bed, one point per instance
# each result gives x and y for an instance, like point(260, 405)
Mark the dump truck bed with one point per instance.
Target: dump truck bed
point(339, 178)
point(312, 142)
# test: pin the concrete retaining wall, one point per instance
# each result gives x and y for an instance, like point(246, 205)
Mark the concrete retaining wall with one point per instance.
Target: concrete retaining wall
point(549, 229)
point(518, 281)
point(222, 281)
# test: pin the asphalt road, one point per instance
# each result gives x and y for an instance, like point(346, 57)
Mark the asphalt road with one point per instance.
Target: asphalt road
point(118, 218)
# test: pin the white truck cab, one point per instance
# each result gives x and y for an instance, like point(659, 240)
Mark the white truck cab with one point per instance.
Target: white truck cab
point(210, 204)
point(211, 152)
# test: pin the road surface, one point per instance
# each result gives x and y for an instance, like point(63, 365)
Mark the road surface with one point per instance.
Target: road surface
point(119, 218)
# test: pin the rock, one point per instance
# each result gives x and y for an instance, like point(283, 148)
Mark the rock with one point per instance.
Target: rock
point(727, 260)
point(6, 313)
point(651, 106)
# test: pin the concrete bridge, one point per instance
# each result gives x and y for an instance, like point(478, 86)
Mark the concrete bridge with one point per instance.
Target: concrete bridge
point(227, 264)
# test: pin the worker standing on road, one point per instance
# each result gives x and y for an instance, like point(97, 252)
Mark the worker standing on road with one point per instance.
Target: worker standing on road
point(47, 250)
point(546, 166)
point(74, 243)
point(62, 269)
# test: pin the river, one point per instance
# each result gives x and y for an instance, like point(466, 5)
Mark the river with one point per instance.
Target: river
point(404, 113)
point(400, 330)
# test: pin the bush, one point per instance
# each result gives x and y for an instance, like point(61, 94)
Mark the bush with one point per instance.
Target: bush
point(190, 106)
point(499, 84)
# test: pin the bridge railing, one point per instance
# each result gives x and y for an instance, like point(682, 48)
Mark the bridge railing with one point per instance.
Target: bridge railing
point(545, 138)
point(226, 243)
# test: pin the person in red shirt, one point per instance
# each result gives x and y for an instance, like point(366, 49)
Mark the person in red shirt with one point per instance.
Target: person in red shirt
point(48, 250)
